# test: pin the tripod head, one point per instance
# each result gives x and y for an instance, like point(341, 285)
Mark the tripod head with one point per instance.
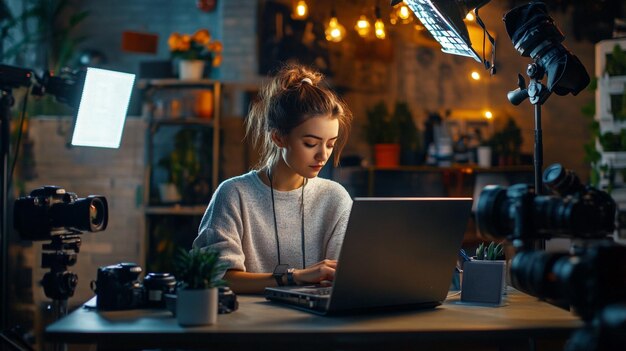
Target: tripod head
point(59, 283)
point(536, 91)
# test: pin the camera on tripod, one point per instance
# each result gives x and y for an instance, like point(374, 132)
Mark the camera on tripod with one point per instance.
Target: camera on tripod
point(51, 213)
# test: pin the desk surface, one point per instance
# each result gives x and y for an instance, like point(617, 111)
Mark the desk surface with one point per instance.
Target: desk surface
point(258, 321)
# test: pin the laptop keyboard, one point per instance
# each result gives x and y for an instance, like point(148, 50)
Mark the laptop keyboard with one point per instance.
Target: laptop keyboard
point(316, 291)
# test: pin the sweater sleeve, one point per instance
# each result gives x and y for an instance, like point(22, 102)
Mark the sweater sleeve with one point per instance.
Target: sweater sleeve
point(221, 227)
point(333, 245)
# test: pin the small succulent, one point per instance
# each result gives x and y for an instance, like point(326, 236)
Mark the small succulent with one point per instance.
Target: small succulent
point(491, 252)
point(199, 269)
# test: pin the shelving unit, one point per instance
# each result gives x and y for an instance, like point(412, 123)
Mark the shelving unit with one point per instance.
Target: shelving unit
point(182, 163)
point(610, 93)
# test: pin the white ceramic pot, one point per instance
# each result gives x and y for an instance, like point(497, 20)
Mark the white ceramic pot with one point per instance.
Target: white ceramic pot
point(190, 69)
point(484, 156)
point(197, 307)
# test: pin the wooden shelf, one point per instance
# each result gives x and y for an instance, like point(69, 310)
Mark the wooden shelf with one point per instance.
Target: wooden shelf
point(176, 210)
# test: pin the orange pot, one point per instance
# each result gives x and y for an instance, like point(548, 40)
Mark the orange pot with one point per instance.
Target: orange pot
point(387, 155)
point(204, 104)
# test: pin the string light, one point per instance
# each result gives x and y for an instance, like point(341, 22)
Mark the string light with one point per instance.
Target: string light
point(469, 16)
point(334, 30)
point(475, 75)
point(379, 26)
point(363, 26)
point(401, 13)
point(300, 10)
point(488, 115)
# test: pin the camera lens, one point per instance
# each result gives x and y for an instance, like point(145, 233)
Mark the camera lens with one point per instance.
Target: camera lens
point(87, 214)
point(157, 285)
point(532, 273)
point(560, 180)
point(492, 216)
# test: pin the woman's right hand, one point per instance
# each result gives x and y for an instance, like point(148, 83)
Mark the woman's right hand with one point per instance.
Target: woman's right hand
point(323, 271)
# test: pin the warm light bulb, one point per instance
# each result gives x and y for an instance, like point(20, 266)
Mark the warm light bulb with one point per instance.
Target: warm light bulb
point(488, 115)
point(475, 75)
point(469, 16)
point(363, 26)
point(334, 31)
point(379, 29)
point(403, 12)
point(300, 10)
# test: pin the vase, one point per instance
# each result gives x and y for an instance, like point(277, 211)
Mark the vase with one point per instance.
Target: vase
point(190, 69)
point(204, 104)
point(197, 306)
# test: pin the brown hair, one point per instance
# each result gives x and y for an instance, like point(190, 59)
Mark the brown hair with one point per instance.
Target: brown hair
point(290, 98)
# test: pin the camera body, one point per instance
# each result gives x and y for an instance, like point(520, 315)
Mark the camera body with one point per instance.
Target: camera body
point(571, 210)
point(118, 287)
point(50, 210)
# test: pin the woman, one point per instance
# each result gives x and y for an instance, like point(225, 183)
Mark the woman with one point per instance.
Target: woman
point(279, 224)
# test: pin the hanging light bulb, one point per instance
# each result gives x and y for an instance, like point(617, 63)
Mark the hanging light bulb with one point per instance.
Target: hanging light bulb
point(300, 10)
point(334, 30)
point(379, 26)
point(401, 13)
point(469, 16)
point(363, 26)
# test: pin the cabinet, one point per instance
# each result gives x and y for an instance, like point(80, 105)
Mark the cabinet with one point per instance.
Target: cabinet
point(182, 163)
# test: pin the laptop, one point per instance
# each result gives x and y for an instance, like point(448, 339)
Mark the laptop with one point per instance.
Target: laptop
point(397, 253)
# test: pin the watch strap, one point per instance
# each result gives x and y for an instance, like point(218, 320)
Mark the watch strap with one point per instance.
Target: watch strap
point(290, 280)
point(279, 272)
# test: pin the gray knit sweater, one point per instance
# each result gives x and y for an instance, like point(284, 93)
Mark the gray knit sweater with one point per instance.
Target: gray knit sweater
point(239, 222)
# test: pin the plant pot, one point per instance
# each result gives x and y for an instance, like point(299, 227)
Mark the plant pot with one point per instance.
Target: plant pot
point(197, 307)
point(190, 69)
point(484, 281)
point(484, 156)
point(169, 193)
point(387, 155)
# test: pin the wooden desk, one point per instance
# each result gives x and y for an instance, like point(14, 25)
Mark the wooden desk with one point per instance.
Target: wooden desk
point(261, 325)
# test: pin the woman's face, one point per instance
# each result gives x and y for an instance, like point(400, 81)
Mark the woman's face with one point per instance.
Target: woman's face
point(308, 147)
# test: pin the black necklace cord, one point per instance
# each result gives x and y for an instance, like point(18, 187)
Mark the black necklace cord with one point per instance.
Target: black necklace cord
point(305, 181)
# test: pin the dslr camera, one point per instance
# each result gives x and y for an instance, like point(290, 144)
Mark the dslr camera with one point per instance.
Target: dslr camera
point(118, 287)
point(591, 278)
point(50, 211)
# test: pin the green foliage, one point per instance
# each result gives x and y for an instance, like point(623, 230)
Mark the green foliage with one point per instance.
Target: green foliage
point(616, 62)
point(508, 140)
point(199, 268)
point(492, 252)
point(381, 128)
point(56, 27)
point(408, 137)
point(183, 163)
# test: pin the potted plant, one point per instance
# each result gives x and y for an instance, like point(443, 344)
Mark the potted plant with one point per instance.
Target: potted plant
point(484, 277)
point(408, 134)
point(199, 274)
point(383, 134)
point(186, 172)
point(193, 51)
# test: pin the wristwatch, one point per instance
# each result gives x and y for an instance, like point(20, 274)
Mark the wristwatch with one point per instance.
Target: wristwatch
point(290, 280)
point(279, 272)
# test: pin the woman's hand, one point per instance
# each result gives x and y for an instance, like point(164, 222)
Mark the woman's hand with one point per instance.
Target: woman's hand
point(318, 273)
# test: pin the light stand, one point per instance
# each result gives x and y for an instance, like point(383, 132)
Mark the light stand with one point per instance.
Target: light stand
point(537, 94)
point(6, 101)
